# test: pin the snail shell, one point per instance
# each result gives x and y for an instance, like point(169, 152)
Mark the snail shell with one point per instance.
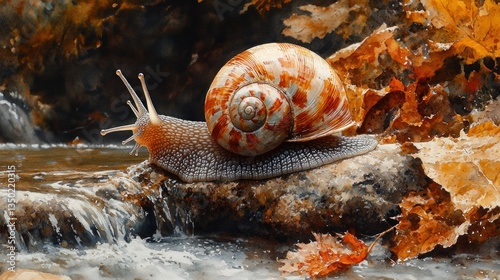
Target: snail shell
point(286, 92)
point(273, 93)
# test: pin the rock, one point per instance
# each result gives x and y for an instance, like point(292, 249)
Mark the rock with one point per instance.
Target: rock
point(71, 215)
point(360, 193)
point(27, 274)
point(15, 123)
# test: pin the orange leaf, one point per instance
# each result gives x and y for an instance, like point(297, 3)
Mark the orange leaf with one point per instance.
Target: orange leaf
point(428, 219)
point(464, 198)
point(466, 167)
point(325, 256)
point(478, 25)
point(263, 6)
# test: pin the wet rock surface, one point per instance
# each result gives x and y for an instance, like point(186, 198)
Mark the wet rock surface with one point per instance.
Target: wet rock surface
point(31, 274)
point(359, 194)
point(70, 216)
point(15, 123)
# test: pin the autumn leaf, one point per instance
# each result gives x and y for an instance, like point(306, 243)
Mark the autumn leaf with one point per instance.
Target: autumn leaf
point(415, 109)
point(477, 26)
point(467, 167)
point(319, 21)
point(464, 198)
point(359, 63)
point(325, 256)
point(20, 274)
point(263, 6)
point(428, 219)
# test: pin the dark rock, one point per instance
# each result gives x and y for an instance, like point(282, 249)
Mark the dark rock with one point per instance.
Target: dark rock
point(16, 124)
point(360, 193)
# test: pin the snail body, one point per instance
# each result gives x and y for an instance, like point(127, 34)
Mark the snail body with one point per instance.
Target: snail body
point(270, 111)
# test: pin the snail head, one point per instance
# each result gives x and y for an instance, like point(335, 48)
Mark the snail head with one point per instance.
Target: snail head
point(147, 119)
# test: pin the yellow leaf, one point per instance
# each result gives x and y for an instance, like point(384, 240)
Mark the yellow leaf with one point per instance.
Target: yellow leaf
point(428, 219)
point(467, 167)
point(459, 19)
point(487, 27)
point(464, 197)
point(470, 50)
point(452, 15)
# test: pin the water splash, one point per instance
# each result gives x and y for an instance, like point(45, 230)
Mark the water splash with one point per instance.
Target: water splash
point(65, 198)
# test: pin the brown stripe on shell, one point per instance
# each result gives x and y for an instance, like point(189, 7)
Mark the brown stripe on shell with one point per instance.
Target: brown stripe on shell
point(214, 101)
point(300, 99)
point(286, 62)
point(221, 127)
point(312, 123)
point(285, 79)
point(251, 141)
point(276, 106)
point(234, 140)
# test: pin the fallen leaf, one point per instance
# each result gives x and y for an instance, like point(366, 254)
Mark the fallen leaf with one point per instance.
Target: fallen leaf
point(463, 199)
point(20, 274)
point(325, 256)
point(467, 167)
point(456, 20)
point(428, 218)
point(359, 63)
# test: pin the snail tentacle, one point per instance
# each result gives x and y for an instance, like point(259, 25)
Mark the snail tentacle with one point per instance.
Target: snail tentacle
point(134, 110)
point(140, 107)
point(153, 116)
point(135, 149)
point(133, 137)
point(146, 118)
point(119, 128)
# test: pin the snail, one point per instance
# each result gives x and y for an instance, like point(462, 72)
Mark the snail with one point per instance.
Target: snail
point(271, 110)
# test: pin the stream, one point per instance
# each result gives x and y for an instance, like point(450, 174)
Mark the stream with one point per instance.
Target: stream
point(71, 219)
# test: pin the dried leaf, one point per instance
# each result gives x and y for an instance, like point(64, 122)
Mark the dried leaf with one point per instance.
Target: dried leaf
point(451, 15)
point(359, 63)
point(319, 21)
point(467, 167)
point(465, 198)
point(263, 6)
point(20, 274)
point(327, 255)
point(428, 219)
point(463, 20)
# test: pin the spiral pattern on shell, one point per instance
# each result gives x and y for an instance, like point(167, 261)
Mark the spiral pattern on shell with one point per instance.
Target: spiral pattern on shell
point(273, 93)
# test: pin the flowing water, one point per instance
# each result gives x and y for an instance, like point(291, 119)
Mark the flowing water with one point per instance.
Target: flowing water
point(74, 213)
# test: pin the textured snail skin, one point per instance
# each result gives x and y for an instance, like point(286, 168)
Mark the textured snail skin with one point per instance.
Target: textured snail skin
point(186, 149)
